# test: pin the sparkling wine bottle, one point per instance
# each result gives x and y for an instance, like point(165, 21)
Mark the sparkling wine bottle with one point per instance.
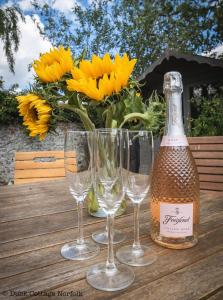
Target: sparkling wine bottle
point(175, 182)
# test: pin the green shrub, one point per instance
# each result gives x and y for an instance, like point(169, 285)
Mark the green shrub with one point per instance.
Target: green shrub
point(8, 106)
point(210, 117)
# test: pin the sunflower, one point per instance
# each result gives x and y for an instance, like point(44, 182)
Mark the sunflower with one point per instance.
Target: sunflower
point(36, 114)
point(101, 77)
point(54, 64)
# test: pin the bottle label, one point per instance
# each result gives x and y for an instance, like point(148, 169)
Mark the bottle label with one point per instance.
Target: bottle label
point(176, 220)
point(178, 140)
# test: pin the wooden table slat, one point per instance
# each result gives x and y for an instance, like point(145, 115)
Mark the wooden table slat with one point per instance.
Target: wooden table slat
point(216, 296)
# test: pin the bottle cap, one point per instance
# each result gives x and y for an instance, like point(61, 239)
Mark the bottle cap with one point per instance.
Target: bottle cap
point(172, 82)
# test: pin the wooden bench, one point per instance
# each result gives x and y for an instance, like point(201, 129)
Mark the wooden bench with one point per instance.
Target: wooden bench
point(41, 166)
point(207, 151)
point(208, 154)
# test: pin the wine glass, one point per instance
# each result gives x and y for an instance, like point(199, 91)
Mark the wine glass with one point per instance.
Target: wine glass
point(109, 153)
point(78, 167)
point(101, 236)
point(137, 180)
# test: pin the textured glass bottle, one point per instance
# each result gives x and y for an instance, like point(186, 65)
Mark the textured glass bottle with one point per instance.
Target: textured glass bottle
point(175, 182)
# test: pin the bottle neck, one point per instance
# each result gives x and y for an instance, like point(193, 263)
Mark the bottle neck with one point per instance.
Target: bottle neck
point(174, 131)
point(174, 120)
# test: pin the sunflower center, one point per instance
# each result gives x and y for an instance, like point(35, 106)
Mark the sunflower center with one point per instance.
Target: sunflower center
point(34, 114)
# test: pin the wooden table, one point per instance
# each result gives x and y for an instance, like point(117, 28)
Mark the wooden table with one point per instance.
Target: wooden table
point(37, 219)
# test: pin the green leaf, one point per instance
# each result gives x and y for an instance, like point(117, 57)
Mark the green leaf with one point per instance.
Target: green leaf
point(73, 100)
point(133, 116)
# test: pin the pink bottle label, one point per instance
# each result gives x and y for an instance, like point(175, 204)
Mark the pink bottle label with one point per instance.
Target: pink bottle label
point(180, 140)
point(176, 220)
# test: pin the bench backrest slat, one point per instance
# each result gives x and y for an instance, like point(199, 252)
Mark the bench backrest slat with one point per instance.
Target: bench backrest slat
point(208, 154)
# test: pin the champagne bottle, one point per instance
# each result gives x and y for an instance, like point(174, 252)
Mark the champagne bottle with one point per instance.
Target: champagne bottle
point(175, 182)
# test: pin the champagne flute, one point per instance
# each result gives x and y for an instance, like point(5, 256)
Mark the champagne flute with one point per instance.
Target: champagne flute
point(78, 166)
point(109, 153)
point(137, 180)
point(101, 236)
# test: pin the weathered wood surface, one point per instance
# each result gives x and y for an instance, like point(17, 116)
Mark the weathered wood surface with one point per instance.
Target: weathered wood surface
point(37, 219)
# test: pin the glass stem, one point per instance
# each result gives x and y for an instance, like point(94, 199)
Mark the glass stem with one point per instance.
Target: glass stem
point(80, 239)
point(110, 264)
point(136, 244)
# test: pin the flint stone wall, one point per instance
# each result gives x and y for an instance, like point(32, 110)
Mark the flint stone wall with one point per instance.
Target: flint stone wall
point(14, 138)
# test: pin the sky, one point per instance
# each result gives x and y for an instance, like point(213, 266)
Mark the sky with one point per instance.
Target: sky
point(31, 42)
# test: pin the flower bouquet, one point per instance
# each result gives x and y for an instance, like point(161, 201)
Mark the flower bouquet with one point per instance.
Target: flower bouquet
point(100, 92)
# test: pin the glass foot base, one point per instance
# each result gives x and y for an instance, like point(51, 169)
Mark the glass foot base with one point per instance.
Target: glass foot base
point(116, 280)
point(101, 237)
point(74, 251)
point(138, 258)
